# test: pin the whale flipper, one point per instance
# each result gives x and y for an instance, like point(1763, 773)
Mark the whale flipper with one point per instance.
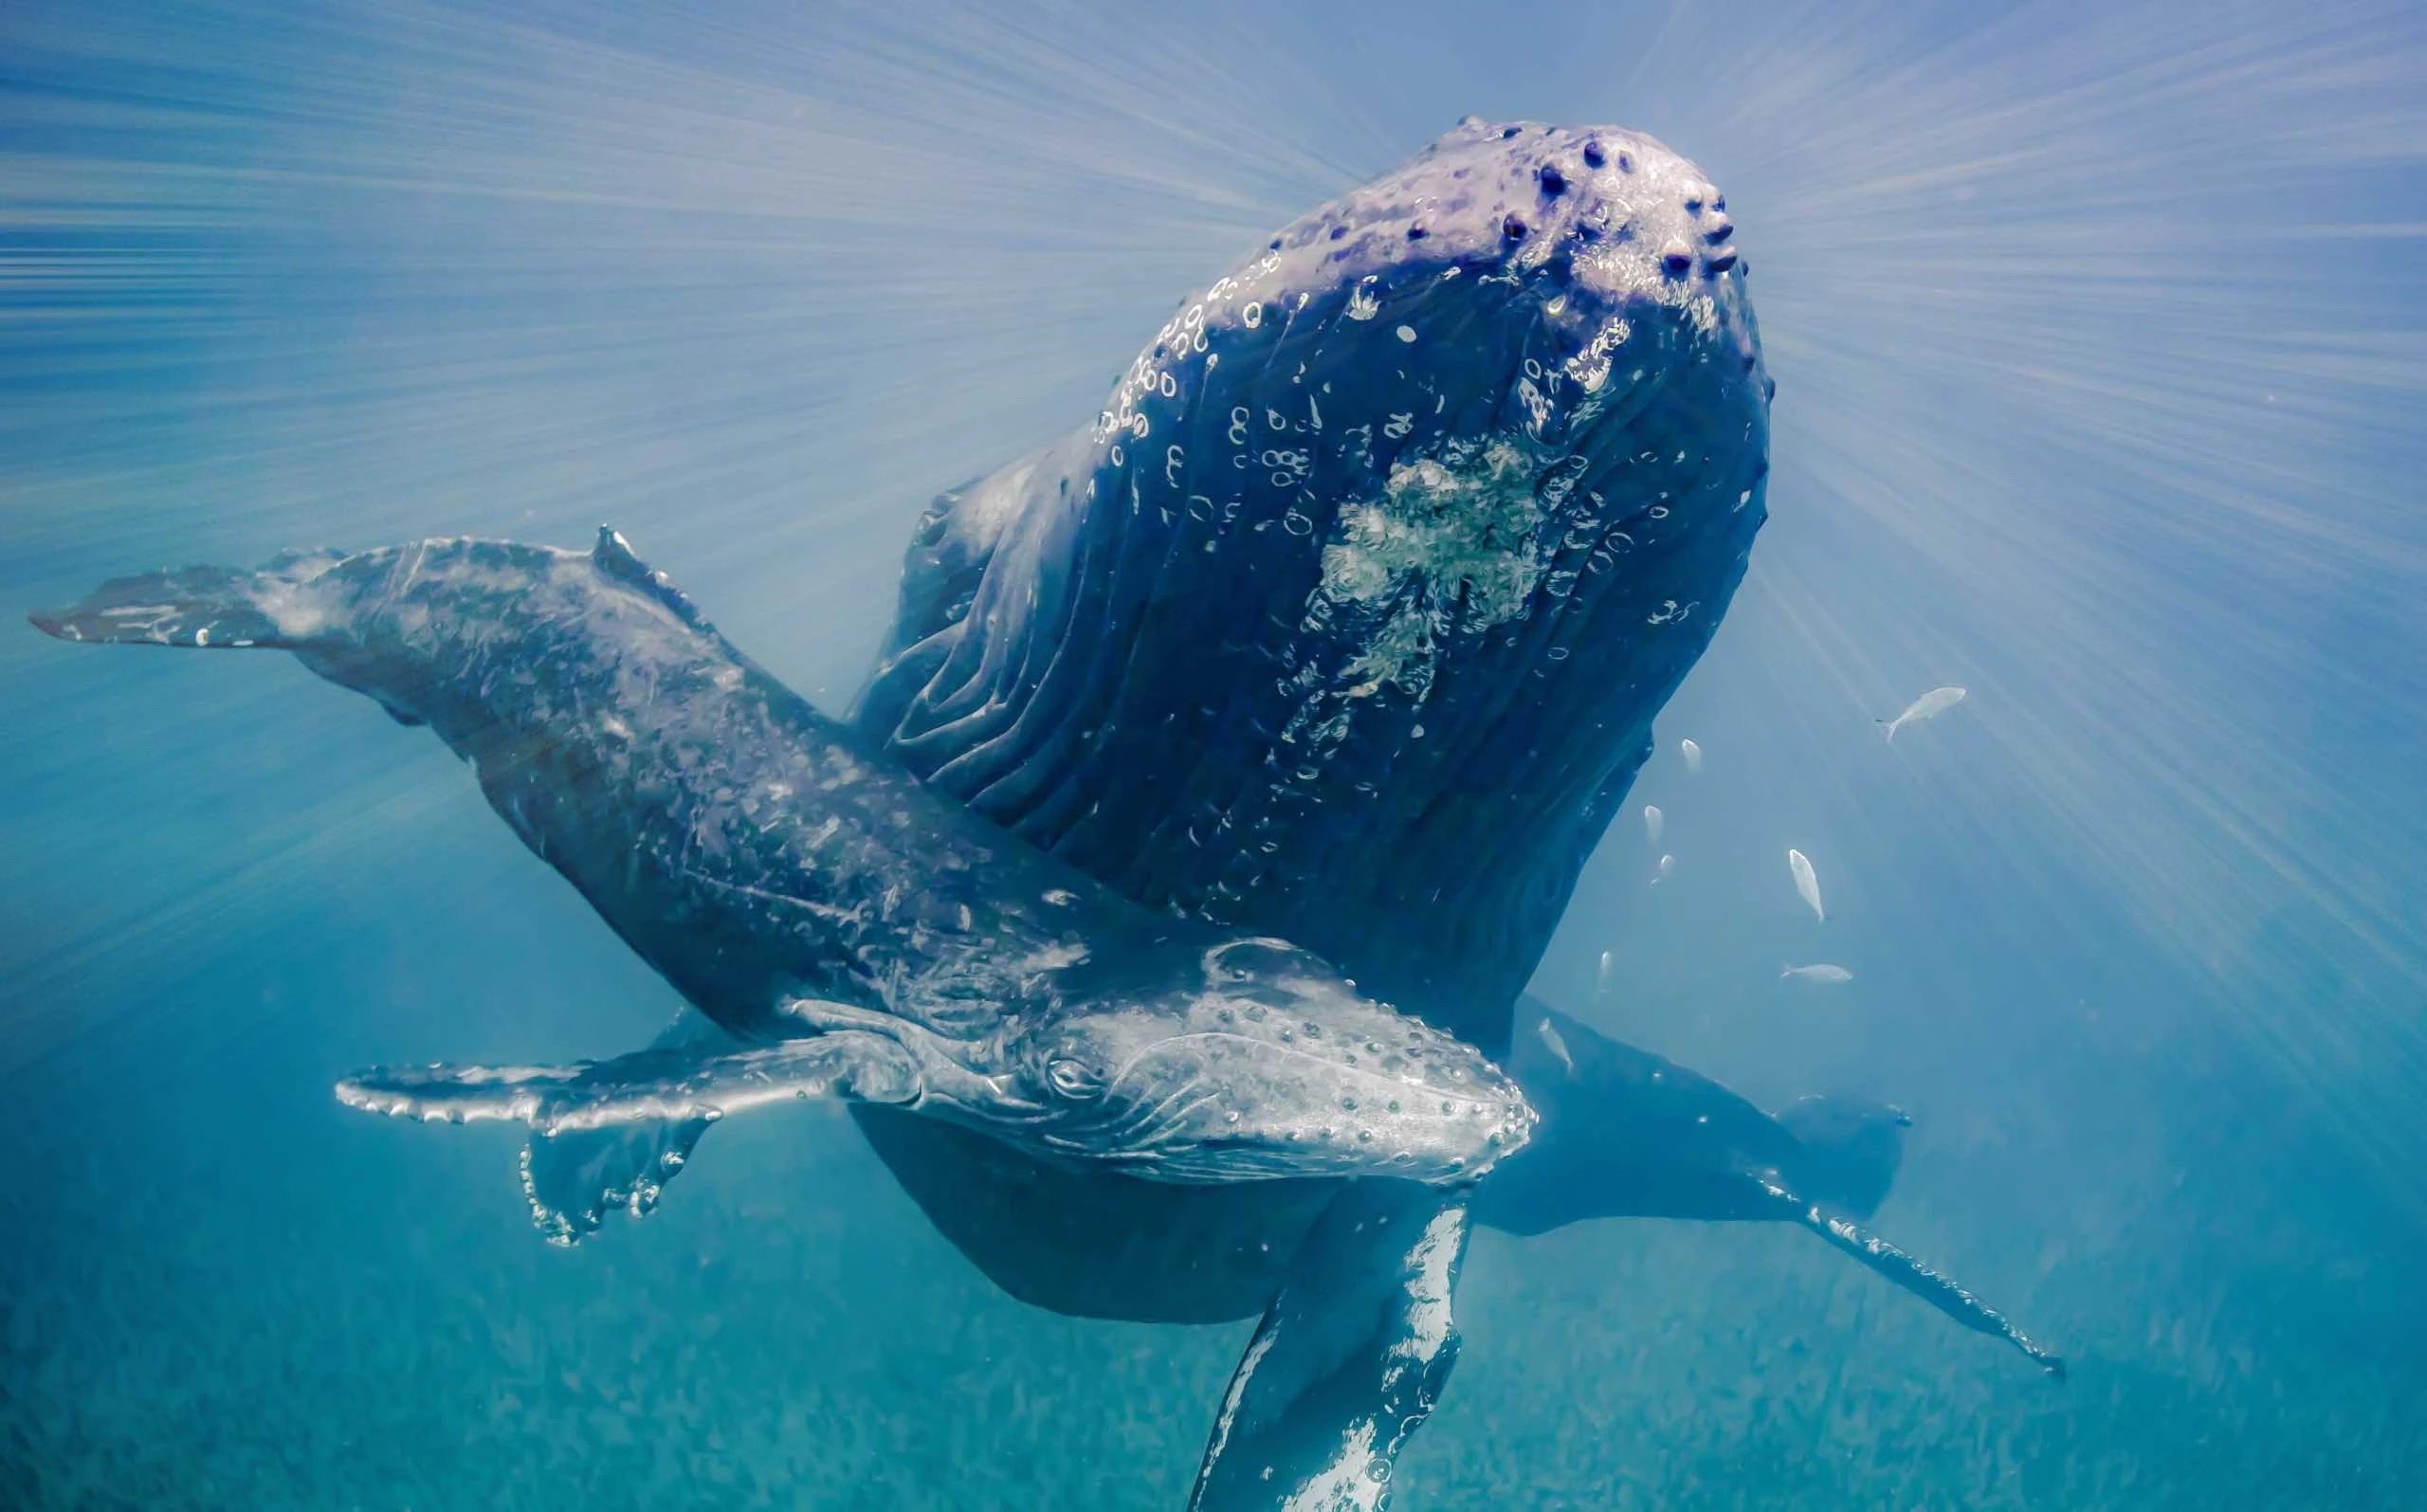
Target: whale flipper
point(575, 1177)
point(1349, 1359)
point(651, 1085)
point(1939, 1290)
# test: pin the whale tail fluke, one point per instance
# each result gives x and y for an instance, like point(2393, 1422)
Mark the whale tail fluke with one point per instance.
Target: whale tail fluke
point(1889, 726)
point(1853, 1148)
point(274, 608)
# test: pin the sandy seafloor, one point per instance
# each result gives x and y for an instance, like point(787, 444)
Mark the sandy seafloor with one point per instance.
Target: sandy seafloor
point(2098, 339)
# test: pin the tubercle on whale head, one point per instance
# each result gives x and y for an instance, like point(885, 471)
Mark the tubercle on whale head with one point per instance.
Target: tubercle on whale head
point(1523, 279)
point(1610, 201)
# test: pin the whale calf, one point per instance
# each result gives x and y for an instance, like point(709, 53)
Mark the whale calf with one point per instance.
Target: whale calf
point(853, 935)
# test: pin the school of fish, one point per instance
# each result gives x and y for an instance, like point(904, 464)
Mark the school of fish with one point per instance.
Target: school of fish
point(1800, 869)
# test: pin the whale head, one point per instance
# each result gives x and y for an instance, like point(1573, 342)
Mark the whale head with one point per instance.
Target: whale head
point(1449, 481)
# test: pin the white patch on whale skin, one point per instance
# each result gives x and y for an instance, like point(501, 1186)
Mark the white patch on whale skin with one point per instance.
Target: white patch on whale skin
point(297, 612)
point(1343, 1487)
point(1449, 548)
point(1428, 1287)
point(1052, 957)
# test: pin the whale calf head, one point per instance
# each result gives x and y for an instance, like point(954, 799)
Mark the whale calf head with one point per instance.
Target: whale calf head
point(1259, 1063)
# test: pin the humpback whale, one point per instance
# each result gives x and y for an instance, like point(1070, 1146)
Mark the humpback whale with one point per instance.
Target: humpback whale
point(1343, 622)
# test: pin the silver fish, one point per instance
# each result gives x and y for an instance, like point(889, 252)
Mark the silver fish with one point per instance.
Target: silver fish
point(1558, 1046)
point(1807, 884)
point(1821, 971)
point(1935, 701)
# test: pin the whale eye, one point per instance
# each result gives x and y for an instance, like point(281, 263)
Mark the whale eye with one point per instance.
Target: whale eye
point(1075, 1079)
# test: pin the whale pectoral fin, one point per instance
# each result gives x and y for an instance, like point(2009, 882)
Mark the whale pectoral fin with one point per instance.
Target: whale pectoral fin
point(675, 1085)
point(574, 1178)
point(1349, 1359)
point(1940, 1291)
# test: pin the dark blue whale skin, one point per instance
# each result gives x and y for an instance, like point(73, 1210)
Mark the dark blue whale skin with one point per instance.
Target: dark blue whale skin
point(1353, 607)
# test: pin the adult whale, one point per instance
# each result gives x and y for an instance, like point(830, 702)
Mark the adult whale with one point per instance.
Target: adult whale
point(1354, 604)
point(1349, 617)
point(1352, 610)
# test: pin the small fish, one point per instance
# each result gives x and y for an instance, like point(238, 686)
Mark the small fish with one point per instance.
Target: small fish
point(1935, 701)
point(1652, 822)
point(1558, 1046)
point(1693, 754)
point(1609, 970)
point(1807, 884)
point(1667, 869)
point(1821, 971)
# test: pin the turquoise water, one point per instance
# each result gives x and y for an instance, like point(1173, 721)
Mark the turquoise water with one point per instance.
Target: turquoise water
point(2098, 333)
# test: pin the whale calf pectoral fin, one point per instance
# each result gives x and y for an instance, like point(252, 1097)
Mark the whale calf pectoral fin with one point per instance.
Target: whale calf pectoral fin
point(1349, 1359)
point(672, 1085)
point(575, 1177)
point(1939, 1290)
point(611, 1133)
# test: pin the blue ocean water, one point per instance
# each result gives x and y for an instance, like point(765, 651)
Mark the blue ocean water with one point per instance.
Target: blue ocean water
point(2101, 337)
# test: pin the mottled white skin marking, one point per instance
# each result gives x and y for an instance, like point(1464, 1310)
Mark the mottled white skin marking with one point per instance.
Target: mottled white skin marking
point(860, 937)
point(1449, 550)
